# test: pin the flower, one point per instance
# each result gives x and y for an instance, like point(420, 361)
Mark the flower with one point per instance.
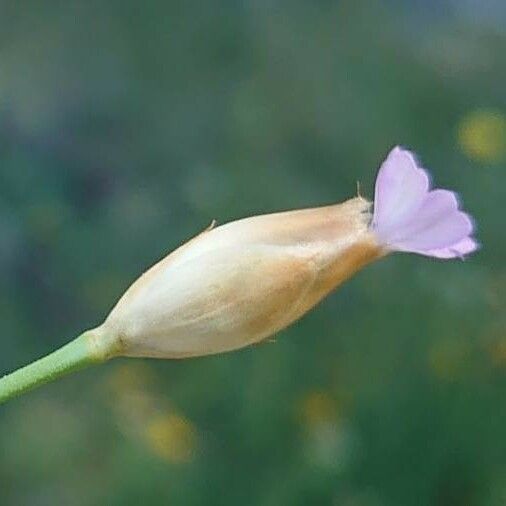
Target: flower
point(410, 217)
point(172, 437)
point(237, 284)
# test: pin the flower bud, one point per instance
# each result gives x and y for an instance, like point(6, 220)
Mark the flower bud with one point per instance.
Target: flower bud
point(239, 283)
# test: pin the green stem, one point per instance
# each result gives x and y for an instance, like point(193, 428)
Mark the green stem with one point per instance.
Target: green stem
point(91, 347)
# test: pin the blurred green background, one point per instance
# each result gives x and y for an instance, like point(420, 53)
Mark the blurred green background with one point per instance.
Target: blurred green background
point(126, 127)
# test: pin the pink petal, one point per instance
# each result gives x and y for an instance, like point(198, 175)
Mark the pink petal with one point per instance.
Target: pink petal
point(407, 217)
point(401, 187)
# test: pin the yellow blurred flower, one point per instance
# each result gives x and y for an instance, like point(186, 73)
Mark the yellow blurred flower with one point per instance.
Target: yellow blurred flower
point(317, 408)
point(171, 437)
point(328, 438)
point(482, 135)
point(146, 417)
point(129, 390)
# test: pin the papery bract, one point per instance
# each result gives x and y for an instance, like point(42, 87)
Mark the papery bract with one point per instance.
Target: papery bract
point(241, 282)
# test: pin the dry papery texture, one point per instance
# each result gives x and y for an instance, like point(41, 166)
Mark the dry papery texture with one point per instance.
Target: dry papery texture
point(239, 283)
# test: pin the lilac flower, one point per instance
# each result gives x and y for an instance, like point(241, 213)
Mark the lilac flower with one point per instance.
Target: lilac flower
point(410, 217)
